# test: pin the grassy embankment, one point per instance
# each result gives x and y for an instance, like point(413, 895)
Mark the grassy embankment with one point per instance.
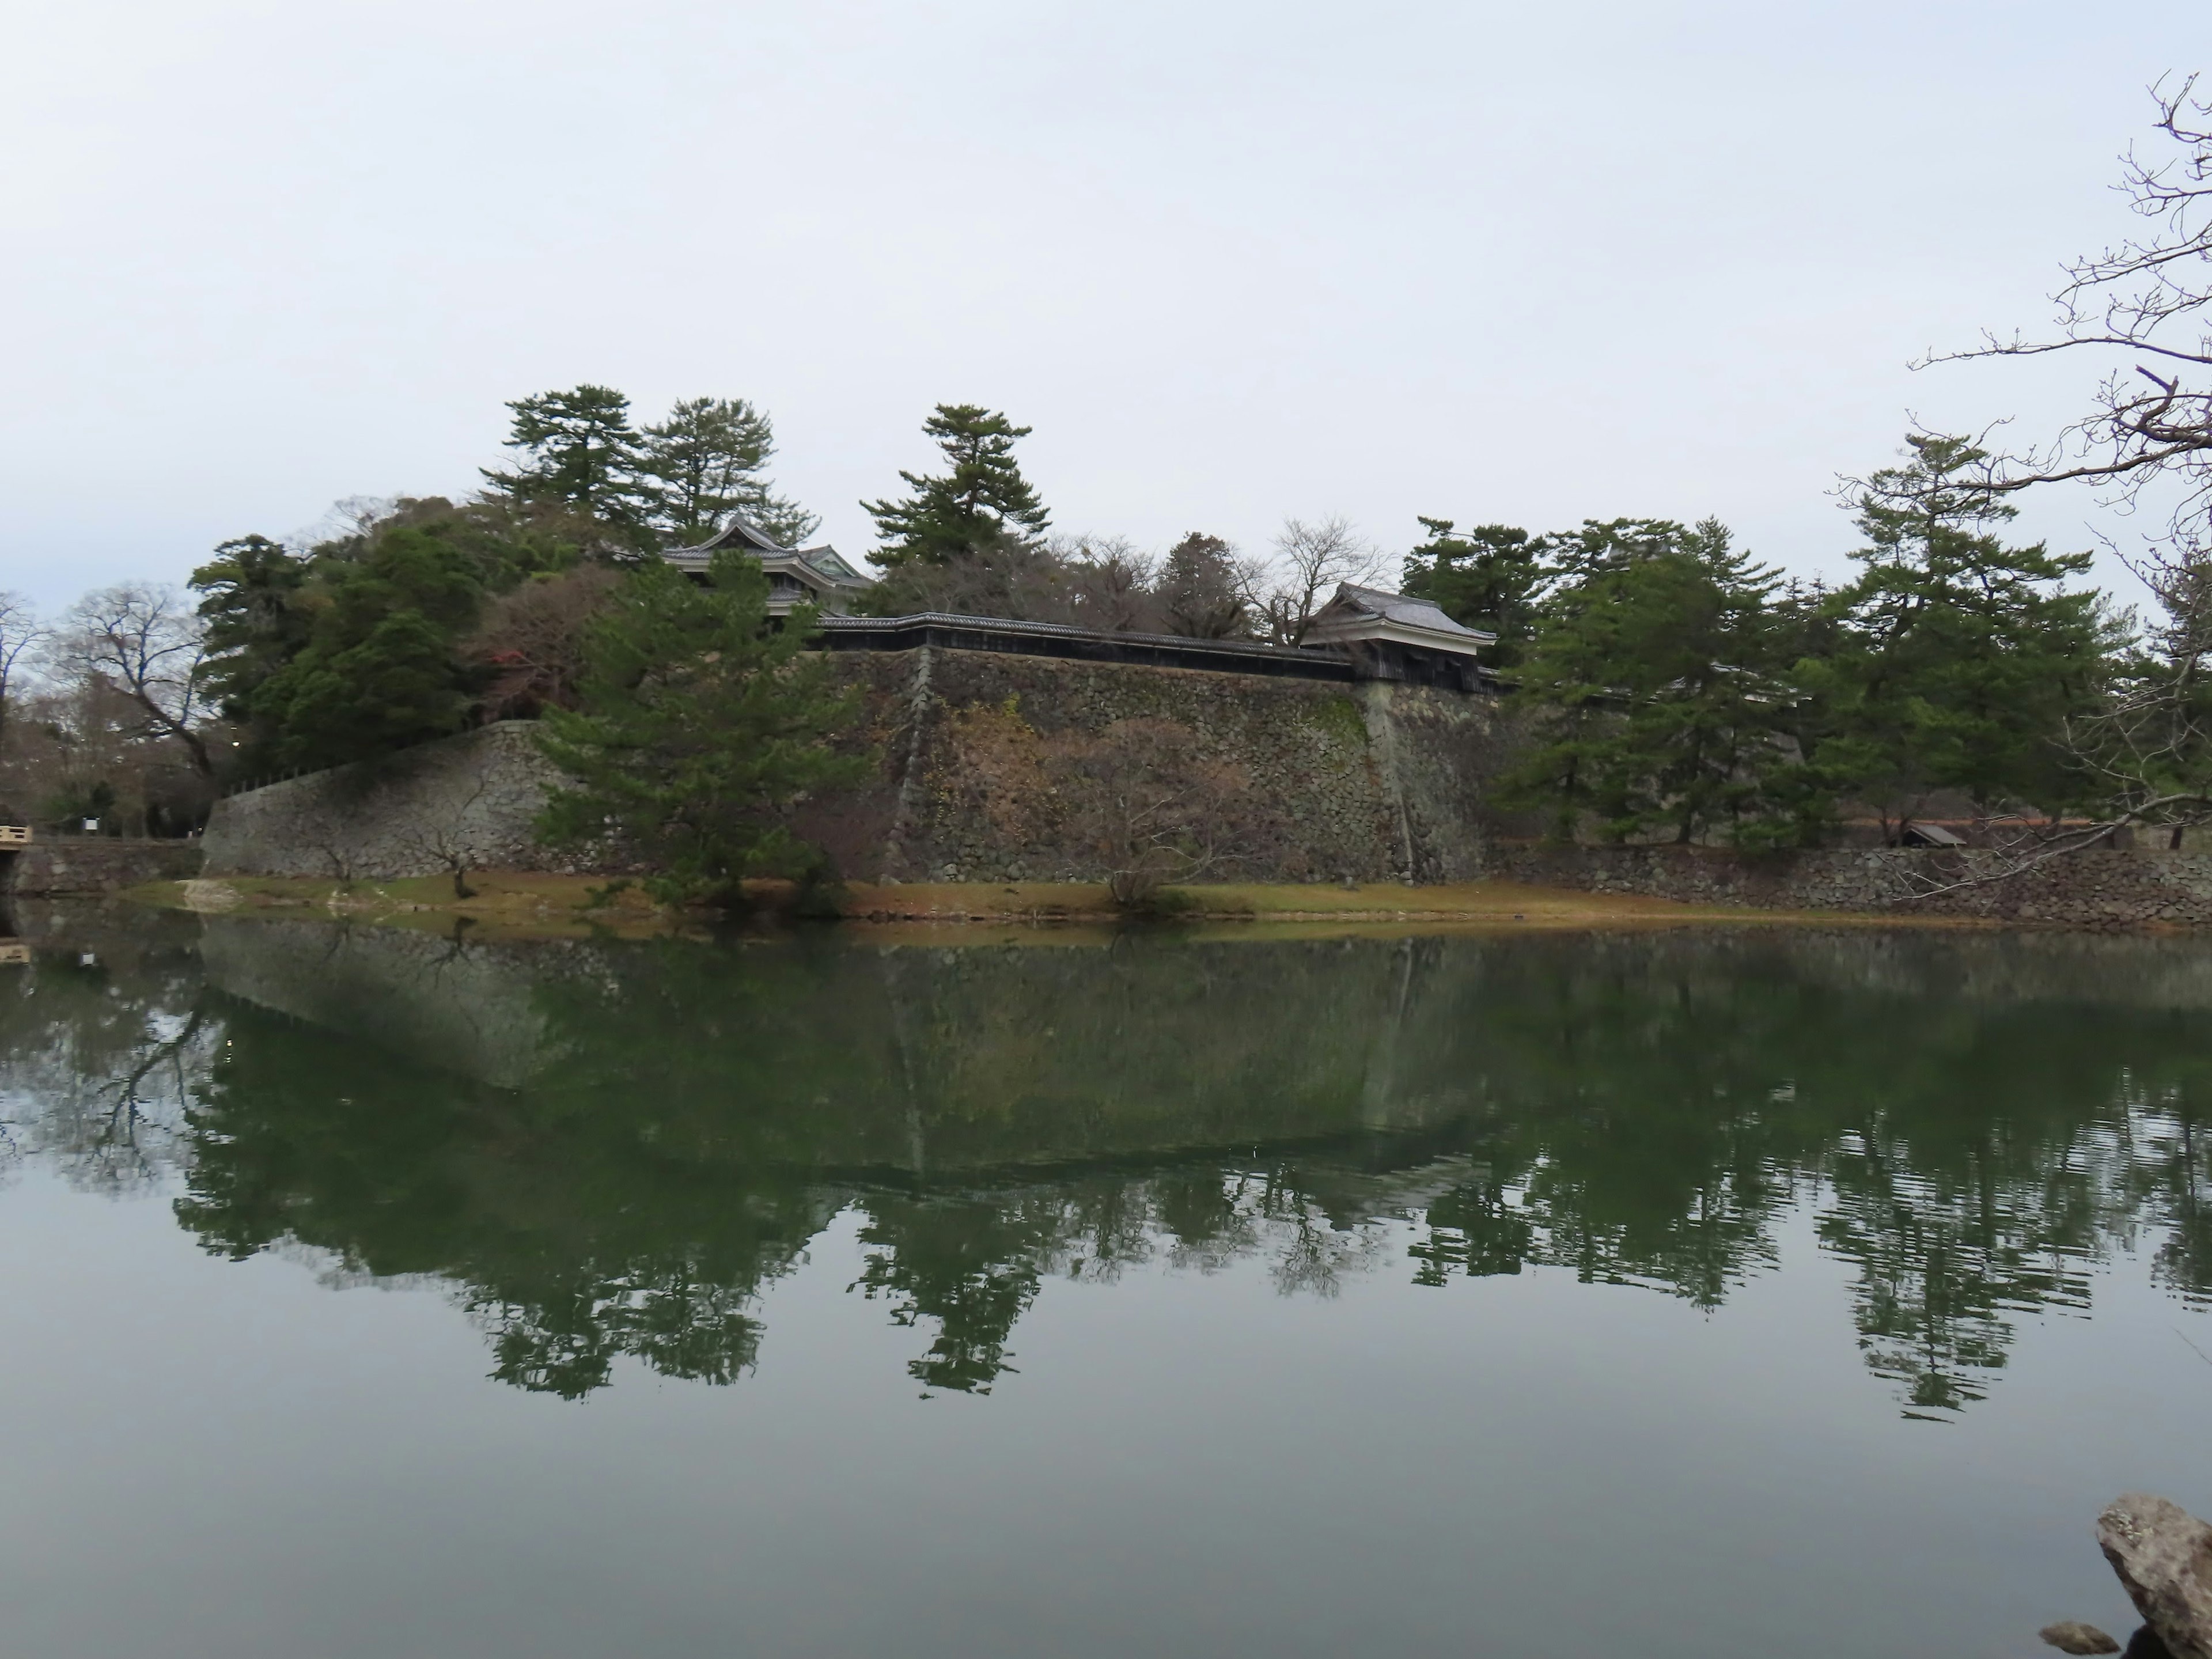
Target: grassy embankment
point(518, 902)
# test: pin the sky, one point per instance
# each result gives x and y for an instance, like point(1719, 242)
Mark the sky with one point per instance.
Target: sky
point(1232, 262)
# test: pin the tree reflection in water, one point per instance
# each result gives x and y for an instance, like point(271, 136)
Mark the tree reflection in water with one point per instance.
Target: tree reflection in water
point(610, 1150)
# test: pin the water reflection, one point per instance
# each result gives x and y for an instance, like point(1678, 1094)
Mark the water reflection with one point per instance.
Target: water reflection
point(605, 1151)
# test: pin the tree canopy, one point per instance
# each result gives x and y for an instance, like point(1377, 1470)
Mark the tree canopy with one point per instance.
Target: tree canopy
point(699, 724)
point(1958, 660)
point(377, 671)
point(979, 502)
point(575, 449)
point(415, 620)
point(1655, 658)
point(1485, 579)
point(707, 462)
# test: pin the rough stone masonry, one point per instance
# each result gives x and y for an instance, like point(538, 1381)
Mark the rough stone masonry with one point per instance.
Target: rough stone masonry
point(1313, 780)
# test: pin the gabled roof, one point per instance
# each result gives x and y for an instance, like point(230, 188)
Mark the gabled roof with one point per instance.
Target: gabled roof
point(744, 535)
point(740, 533)
point(1368, 613)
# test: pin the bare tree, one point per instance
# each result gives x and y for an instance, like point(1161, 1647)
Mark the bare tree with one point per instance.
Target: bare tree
point(2148, 303)
point(1106, 584)
point(533, 640)
point(448, 838)
point(1010, 576)
point(1286, 591)
point(147, 642)
point(19, 630)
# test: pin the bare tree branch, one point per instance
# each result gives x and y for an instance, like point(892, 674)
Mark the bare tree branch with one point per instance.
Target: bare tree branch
point(19, 631)
point(2134, 300)
point(148, 643)
point(1286, 591)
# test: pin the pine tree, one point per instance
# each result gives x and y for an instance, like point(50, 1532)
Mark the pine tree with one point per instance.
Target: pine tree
point(256, 623)
point(1487, 579)
point(1958, 660)
point(579, 452)
point(982, 501)
point(1655, 665)
point(699, 722)
point(708, 461)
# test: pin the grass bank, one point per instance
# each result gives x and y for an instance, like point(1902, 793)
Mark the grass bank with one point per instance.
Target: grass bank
point(518, 902)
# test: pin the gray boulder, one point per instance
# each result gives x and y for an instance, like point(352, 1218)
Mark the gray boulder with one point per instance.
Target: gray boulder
point(2072, 1636)
point(2163, 1555)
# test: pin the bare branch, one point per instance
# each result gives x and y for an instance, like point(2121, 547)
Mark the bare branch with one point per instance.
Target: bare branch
point(1310, 560)
point(2133, 300)
point(147, 642)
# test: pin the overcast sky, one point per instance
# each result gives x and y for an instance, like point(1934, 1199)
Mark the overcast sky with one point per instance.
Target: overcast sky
point(1498, 262)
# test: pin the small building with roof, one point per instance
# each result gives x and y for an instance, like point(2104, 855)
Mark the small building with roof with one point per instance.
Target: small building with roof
point(796, 575)
point(1393, 636)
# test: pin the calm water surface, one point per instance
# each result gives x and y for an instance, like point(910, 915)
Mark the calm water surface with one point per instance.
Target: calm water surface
point(372, 1294)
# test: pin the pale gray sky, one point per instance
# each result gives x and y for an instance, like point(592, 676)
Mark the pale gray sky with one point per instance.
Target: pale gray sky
point(1231, 260)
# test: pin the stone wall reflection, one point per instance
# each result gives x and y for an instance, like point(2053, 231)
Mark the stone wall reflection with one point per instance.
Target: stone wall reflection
point(607, 1150)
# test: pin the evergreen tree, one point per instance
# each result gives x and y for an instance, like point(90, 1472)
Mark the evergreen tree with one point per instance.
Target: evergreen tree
point(579, 452)
point(1654, 669)
point(981, 502)
point(1958, 661)
point(1198, 591)
point(255, 622)
point(699, 723)
point(265, 607)
point(1489, 579)
point(708, 461)
point(378, 672)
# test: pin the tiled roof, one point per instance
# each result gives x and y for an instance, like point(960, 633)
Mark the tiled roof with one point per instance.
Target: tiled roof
point(1404, 609)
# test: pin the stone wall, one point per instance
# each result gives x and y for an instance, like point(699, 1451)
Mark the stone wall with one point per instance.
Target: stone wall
point(1309, 782)
point(977, 753)
point(2099, 888)
point(77, 866)
point(474, 798)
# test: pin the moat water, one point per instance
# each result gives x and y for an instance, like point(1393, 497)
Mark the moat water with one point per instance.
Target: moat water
point(1670, 1293)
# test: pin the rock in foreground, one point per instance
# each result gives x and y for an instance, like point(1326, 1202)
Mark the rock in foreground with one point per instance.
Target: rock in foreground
point(2163, 1555)
point(2072, 1636)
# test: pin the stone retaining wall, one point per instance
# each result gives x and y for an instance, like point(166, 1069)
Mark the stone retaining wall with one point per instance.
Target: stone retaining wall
point(1314, 781)
point(2097, 888)
point(473, 798)
point(1310, 782)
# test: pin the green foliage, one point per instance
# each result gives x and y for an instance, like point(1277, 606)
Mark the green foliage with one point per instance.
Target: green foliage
point(503, 546)
point(1654, 666)
point(394, 600)
point(1956, 660)
point(578, 451)
point(979, 502)
point(707, 462)
point(700, 722)
point(1488, 579)
point(358, 646)
point(256, 623)
point(1686, 690)
point(377, 672)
